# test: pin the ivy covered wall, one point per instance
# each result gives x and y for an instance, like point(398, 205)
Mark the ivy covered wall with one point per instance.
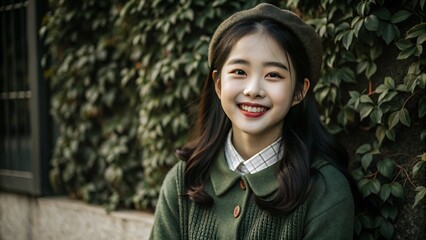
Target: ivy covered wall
point(124, 75)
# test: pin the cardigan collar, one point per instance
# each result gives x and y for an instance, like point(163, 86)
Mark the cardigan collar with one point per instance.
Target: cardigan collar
point(262, 183)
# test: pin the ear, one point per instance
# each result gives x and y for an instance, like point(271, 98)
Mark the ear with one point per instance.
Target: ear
point(299, 97)
point(217, 84)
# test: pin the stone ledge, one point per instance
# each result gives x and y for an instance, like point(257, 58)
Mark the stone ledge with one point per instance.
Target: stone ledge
point(23, 217)
point(72, 204)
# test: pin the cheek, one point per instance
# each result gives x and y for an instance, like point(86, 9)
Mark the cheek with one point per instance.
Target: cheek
point(230, 88)
point(281, 94)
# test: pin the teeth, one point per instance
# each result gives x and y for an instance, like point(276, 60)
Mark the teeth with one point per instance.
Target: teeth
point(253, 109)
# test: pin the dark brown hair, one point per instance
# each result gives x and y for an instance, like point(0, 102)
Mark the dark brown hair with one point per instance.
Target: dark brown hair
point(304, 137)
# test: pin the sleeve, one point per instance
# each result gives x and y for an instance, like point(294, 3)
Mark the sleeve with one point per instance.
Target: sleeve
point(166, 218)
point(330, 213)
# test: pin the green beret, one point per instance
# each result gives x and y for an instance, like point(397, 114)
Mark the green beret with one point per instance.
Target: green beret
point(305, 33)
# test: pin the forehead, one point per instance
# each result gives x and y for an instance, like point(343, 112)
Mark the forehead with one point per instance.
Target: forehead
point(258, 47)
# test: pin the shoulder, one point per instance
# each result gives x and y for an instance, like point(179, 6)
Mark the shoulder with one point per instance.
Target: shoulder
point(330, 190)
point(168, 210)
point(176, 170)
point(327, 177)
point(330, 205)
point(173, 182)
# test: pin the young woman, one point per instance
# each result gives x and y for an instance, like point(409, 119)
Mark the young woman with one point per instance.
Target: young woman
point(259, 165)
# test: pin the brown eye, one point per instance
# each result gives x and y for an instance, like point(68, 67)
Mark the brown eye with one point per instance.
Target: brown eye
point(274, 75)
point(239, 72)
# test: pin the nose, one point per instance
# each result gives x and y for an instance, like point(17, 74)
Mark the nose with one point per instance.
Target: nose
point(254, 88)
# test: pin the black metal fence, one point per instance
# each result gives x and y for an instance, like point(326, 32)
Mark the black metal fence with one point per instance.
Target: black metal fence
point(24, 132)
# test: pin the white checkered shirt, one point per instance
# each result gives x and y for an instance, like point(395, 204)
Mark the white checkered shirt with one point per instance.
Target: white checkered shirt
point(261, 160)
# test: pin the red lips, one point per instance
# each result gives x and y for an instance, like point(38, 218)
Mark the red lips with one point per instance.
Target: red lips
point(252, 110)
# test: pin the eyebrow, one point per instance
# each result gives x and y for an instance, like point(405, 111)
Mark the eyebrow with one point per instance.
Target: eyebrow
point(266, 64)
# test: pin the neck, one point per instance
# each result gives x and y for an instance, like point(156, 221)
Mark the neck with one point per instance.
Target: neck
point(248, 145)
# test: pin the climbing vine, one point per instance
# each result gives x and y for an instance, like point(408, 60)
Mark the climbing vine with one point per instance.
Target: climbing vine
point(96, 156)
point(359, 91)
point(123, 75)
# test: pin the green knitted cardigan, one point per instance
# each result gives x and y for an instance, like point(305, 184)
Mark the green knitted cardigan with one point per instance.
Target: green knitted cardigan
point(327, 214)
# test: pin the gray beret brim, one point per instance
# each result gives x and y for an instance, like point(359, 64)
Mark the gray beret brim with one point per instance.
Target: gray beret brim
point(305, 33)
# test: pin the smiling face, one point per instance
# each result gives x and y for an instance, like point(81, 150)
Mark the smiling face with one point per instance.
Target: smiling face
point(256, 87)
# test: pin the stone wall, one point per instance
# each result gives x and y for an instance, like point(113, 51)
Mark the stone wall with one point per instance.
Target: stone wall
point(28, 218)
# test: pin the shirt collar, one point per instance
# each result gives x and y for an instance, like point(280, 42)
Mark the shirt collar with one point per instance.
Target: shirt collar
point(258, 162)
point(233, 158)
point(262, 183)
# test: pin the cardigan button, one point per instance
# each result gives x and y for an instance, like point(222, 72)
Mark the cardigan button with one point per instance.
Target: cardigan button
point(237, 211)
point(242, 185)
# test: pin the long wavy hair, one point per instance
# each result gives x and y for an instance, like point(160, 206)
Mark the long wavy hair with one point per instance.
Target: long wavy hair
point(304, 136)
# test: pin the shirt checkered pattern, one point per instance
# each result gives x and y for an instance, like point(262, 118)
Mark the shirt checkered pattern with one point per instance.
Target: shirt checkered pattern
point(261, 160)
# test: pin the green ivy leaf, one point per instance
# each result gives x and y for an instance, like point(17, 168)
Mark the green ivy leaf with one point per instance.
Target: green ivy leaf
point(366, 160)
point(375, 52)
point(393, 119)
point(361, 66)
point(421, 192)
point(371, 70)
point(347, 39)
point(397, 190)
point(401, 88)
point(381, 89)
point(376, 115)
point(380, 133)
point(416, 31)
point(357, 174)
point(386, 167)
point(343, 26)
point(389, 82)
point(358, 27)
point(389, 211)
point(419, 50)
point(322, 94)
point(386, 229)
point(403, 44)
point(400, 16)
point(385, 192)
point(383, 13)
point(366, 109)
point(363, 182)
point(374, 186)
point(404, 117)
point(347, 75)
point(365, 190)
point(372, 23)
point(363, 8)
point(389, 33)
point(386, 97)
point(407, 52)
point(417, 167)
point(363, 148)
point(422, 81)
point(69, 171)
point(414, 68)
point(355, 99)
point(365, 99)
point(421, 39)
point(390, 134)
point(410, 81)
